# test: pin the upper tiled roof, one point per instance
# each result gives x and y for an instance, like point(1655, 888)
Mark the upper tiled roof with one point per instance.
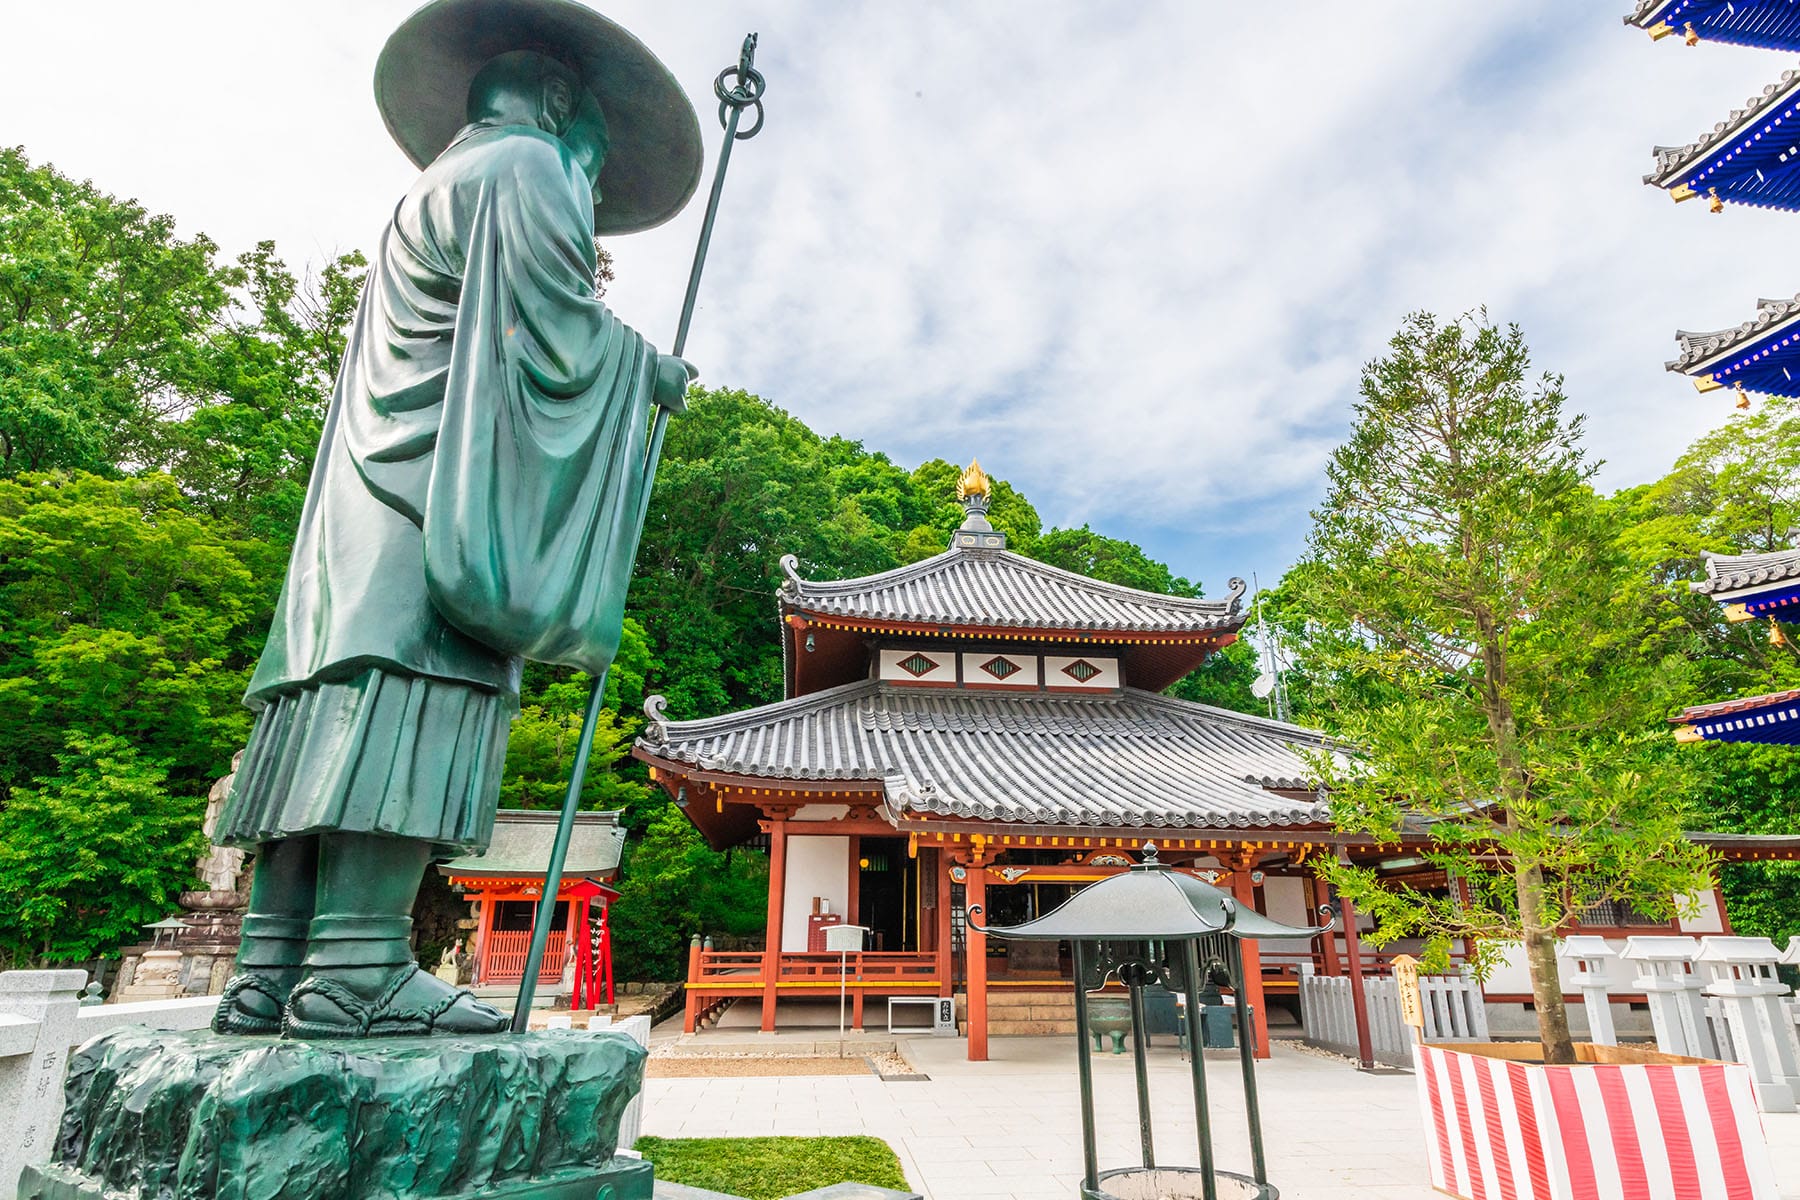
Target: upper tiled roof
point(1126, 759)
point(1697, 348)
point(973, 587)
point(1674, 161)
point(1734, 572)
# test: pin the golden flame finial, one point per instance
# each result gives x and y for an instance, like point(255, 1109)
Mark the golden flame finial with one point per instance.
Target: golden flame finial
point(973, 482)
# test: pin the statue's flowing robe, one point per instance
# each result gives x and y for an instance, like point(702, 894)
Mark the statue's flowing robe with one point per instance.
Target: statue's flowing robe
point(475, 503)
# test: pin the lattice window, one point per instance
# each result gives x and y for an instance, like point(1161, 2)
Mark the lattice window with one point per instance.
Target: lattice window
point(916, 664)
point(1000, 667)
point(1081, 670)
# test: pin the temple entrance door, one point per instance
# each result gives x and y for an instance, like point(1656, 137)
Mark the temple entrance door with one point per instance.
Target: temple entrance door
point(888, 894)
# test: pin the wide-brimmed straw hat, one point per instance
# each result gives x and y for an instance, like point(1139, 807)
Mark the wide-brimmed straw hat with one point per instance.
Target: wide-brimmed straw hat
point(653, 163)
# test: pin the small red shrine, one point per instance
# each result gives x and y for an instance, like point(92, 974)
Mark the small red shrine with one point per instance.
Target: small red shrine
point(506, 884)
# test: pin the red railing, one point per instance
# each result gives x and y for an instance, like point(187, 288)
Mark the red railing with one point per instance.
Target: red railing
point(869, 969)
point(503, 958)
point(740, 970)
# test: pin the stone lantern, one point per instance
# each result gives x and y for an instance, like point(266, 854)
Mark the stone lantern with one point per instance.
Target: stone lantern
point(1671, 985)
point(1589, 954)
point(1156, 925)
point(1762, 1036)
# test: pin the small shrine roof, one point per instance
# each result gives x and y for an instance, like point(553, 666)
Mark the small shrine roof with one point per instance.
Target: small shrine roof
point(1734, 161)
point(976, 587)
point(522, 841)
point(1767, 24)
point(1123, 759)
point(1699, 350)
point(1730, 573)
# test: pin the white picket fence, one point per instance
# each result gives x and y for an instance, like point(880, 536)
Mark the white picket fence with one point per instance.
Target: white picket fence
point(1454, 1012)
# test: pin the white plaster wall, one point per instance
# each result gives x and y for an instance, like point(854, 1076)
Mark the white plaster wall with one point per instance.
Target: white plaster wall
point(1285, 898)
point(816, 866)
point(943, 672)
point(1055, 677)
point(1708, 919)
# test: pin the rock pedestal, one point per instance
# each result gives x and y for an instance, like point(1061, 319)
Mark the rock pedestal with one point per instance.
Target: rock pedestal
point(187, 1116)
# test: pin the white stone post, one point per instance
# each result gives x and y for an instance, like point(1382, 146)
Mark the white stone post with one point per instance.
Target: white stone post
point(1589, 954)
point(631, 1123)
point(31, 1084)
point(1672, 986)
point(1762, 1038)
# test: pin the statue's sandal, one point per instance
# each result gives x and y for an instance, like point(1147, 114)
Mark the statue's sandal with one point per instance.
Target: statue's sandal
point(414, 1004)
point(239, 1009)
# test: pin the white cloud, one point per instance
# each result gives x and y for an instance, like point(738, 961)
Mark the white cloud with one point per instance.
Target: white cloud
point(1132, 255)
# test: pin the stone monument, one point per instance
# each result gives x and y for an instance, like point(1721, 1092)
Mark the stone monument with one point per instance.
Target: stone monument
point(476, 502)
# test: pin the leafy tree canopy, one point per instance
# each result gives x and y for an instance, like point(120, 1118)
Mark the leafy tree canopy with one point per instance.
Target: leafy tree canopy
point(1472, 573)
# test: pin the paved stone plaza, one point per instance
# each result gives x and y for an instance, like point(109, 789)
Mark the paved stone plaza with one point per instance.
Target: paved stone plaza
point(1010, 1127)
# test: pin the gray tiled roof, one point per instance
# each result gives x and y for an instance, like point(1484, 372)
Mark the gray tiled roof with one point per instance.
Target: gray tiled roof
point(1645, 8)
point(522, 840)
point(1733, 572)
point(1673, 161)
point(964, 587)
point(1117, 759)
point(1697, 348)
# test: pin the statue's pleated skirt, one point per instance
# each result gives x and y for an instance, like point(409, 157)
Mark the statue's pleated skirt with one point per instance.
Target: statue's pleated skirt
point(383, 753)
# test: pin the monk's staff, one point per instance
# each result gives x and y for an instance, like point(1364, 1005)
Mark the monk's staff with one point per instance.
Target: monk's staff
point(745, 92)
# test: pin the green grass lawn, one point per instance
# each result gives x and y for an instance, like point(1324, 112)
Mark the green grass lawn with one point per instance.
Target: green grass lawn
point(769, 1168)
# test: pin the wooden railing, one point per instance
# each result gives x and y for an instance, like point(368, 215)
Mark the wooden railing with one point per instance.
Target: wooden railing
point(503, 957)
point(869, 969)
point(717, 977)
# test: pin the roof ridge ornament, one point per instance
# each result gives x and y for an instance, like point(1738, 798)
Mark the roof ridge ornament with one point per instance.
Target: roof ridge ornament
point(790, 566)
point(975, 492)
point(656, 727)
point(1234, 595)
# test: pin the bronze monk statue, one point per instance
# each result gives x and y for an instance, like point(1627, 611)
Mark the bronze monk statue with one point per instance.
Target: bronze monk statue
point(474, 504)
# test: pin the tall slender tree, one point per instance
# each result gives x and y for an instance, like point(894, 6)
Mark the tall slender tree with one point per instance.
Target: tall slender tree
point(1480, 591)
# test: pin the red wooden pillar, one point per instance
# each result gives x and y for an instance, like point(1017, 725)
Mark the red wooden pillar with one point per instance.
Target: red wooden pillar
point(1245, 891)
point(1328, 943)
point(771, 973)
point(975, 887)
point(1359, 1003)
point(606, 947)
point(946, 968)
point(482, 934)
point(690, 1021)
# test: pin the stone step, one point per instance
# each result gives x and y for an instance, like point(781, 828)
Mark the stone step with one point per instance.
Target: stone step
point(1000, 1000)
point(1000, 1028)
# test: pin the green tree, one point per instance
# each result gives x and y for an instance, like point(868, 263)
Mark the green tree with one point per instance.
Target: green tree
point(675, 886)
point(1110, 559)
point(541, 746)
point(92, 852)
point(103, 317)
point(125, 612)
point(1484, 586)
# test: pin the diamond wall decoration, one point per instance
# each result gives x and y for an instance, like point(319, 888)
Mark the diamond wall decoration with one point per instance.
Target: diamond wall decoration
point(1000, 667)
point(917, 665)
point(1081, 670)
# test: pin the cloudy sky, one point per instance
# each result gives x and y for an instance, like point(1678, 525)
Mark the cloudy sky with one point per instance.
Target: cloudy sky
point(1132, 255)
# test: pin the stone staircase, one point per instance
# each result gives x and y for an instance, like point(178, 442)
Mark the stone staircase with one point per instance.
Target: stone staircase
point(1016, 1012)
